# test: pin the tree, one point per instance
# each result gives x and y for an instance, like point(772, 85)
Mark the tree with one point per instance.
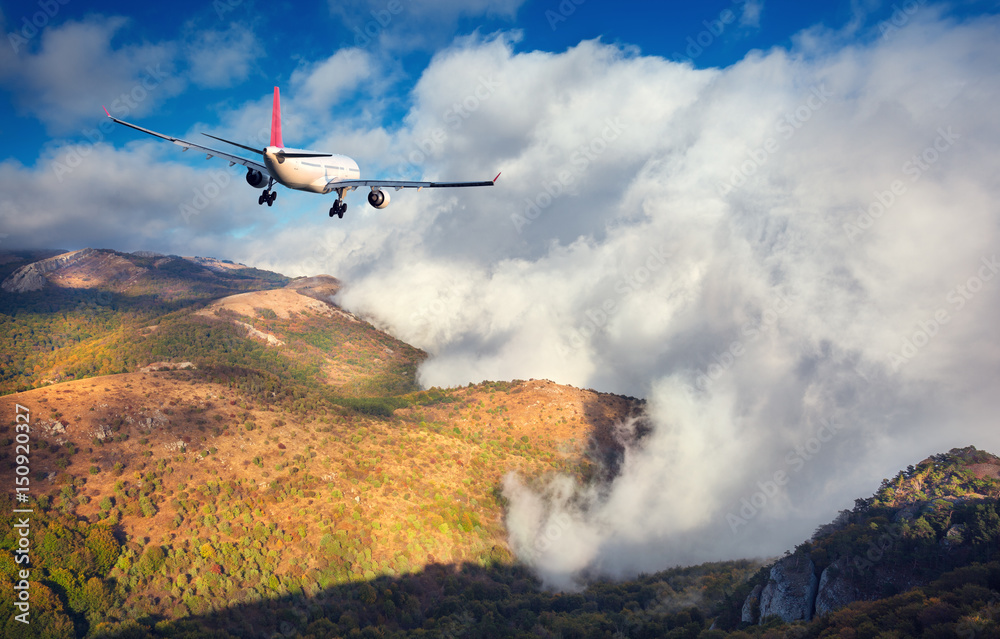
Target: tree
point(105, 548)
point(986, 527)
point(151, 561)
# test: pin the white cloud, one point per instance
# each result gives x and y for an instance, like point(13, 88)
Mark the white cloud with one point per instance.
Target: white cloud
point(320, 86)
point(75, 70)
point(752, 10)
point(222, 58)
point(66, 73)
point(127, 199)
point(809, 136)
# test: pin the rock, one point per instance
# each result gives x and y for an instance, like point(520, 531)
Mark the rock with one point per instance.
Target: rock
point(31, 277)
point(752, 606)
point(955, 536)
point(791, 591)
point(27, 278)
point(53, 427)
point(103, 432)
point(837, 587)
point(253, 332)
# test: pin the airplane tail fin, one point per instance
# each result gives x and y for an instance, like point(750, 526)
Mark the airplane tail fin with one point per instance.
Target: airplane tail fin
point(276, 121)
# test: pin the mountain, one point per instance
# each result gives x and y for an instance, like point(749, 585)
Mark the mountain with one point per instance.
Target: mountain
point(236, 421)
point(938, 516)
point(99, 312)
point(219, 451)
point(165, 277)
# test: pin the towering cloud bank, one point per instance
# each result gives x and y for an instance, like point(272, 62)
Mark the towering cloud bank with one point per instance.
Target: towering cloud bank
point(795, 259)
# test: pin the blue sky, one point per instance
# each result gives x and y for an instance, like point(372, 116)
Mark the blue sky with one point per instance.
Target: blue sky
point(798, 225)
point(281, 38)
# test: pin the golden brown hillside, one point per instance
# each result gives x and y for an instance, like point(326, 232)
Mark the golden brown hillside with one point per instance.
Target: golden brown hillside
point(302, 323)
point(258, 441)
point(172, 459)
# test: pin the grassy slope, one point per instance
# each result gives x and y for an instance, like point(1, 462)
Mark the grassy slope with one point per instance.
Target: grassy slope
point(256, 500)
point(61, 333)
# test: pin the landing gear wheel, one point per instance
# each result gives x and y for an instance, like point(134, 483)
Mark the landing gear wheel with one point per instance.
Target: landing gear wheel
point(272, 197)
point(263, 196)
point(338, 208)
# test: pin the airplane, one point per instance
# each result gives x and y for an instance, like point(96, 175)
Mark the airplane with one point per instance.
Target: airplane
point(302, 169)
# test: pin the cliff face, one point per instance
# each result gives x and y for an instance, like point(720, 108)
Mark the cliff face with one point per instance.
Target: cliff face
point(794, 591)
point(837, 588)
point(31, 277)
point(25, 279)
point(936, 515)
point(790, 592)
point(143, 273)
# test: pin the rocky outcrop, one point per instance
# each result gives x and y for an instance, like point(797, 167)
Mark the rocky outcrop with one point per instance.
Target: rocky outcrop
point(31, 277)
point(25, 279)
point(165, 366)
point(867, 553)
point(751, 607)
point(837, 587)
point(261, 335)
point(791, 590)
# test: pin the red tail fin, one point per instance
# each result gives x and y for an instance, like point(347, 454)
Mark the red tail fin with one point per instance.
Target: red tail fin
point(276, 121)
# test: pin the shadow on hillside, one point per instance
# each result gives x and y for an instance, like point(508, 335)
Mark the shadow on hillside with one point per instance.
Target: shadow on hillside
point(467, 600)
point(616, 423)
point(52, 300)
point(441, 601)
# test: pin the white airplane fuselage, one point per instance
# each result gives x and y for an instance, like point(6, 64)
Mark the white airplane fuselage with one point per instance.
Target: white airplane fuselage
point(312, 174)
point(301, 169)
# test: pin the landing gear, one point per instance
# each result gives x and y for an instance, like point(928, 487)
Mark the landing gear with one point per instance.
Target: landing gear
point(339, 208)
point(268, 195)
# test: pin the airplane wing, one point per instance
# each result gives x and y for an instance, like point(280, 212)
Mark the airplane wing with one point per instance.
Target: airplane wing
point(233, 159)
point(401, 184)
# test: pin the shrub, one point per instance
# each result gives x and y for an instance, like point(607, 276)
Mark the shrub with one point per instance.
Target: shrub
point(152, 560)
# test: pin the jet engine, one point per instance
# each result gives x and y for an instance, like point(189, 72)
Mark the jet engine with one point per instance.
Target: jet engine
point(378, 199)
point(255, 178)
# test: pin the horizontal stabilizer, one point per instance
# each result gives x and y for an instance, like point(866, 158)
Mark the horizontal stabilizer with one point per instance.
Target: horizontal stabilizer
point(284, 154)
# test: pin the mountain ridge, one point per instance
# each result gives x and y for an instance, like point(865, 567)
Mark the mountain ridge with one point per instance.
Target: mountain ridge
point(222, 451)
